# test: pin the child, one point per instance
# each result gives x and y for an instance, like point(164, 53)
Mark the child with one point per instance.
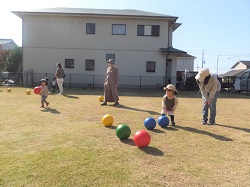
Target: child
point(169, 102)
point(44, 93)
point(54, 84)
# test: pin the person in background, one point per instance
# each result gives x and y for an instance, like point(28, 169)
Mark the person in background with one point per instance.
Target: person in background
point(60, 77)
point(111, 83)
point(44, 93)
point(54, 85)
point(237, 85)
point(210, 88)
point(169, 102)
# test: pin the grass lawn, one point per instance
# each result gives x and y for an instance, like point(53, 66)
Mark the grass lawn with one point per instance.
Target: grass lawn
point(67, 145)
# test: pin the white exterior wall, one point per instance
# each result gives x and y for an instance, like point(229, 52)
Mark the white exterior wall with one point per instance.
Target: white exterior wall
point(48, 40)
point(185, 63)
point(240, 66)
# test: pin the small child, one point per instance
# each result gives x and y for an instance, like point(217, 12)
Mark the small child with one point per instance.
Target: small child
point(44, 92)
point(54, 84)
point(169, 102)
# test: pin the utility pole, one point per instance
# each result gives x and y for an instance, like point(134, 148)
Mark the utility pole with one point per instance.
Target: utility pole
point(218, 65)
point(202, 59)
point(197, 67)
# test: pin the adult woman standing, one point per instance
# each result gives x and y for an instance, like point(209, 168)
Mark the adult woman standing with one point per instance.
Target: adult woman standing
point(111, 83)
point(210, 88)
point(60, 77)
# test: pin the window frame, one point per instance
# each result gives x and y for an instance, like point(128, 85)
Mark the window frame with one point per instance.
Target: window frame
point(149, 66)
point(69, 63)
point(143, 30)
point(118, 25)
point(90, 26)
point(87, 68)
point(110, 56)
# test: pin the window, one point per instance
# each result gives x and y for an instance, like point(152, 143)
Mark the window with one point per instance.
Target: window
point(148, 30)
point(150, 66)
point(119, 29)
point(110, 56)
point(90, 28)
point(89, 64)
point(69, 63)
point(244, 75)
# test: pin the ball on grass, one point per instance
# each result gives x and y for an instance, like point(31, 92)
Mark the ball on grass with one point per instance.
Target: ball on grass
point(142, 138)
point(8, 89)
point(163, 121)
point(150, 123)
point(28, 92)
point(107, 120)
point(123, 131)
point(37, 89)
point(101, 98)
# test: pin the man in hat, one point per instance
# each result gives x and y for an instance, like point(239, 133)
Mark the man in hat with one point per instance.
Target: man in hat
point(111, 83)
point(210, 88)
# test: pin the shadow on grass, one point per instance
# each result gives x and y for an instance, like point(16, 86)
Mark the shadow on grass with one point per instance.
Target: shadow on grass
point(111, 127)
point(136, 109)
point(237, 128)
point(70, 96)
point(128, 141)
point(152, 151)
point(51, 110)
point(218, 137)
point(158, 131)
point(170, 128)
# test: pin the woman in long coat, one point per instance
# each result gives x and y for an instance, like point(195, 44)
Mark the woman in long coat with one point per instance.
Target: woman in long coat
point(111, 83)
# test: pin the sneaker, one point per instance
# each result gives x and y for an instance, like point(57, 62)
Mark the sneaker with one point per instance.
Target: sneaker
point(117, 103)
point(203, 123)
point(41, 106)
point(173, 123)
point(104, 104)
point(211, 123)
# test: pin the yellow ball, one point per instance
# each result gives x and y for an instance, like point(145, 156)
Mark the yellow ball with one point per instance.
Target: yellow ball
point(101, 98)
point(28, 92)
point(107, 120)
point(8, 90)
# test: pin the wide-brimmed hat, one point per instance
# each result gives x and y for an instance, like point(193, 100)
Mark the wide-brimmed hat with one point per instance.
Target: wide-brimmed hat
point(112, 61)
point(170, 87)
point(202, 74)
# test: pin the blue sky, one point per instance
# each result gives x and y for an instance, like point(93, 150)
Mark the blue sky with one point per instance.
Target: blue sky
point(219, 27)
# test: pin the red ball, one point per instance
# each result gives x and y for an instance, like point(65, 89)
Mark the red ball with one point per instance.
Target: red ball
point(37, 89)
point(142, 138)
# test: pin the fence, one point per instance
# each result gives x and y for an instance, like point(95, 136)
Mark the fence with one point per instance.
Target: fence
point(30, 79)
point(96, 81)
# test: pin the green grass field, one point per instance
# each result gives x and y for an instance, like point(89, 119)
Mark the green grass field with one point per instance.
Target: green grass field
point(67, 145)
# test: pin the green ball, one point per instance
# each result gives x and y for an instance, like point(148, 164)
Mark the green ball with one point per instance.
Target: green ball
point(123, 132)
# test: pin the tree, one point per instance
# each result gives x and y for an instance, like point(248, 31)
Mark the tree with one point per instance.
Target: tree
point(3, 59)
point(14, 60)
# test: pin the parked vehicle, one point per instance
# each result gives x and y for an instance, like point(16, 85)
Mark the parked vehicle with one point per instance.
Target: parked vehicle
point(245, 81)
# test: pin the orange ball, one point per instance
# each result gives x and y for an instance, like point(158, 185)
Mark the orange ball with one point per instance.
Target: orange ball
point(101, 98)
point(107, 120)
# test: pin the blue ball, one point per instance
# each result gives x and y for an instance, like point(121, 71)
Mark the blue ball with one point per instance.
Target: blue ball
point(163, 121)
point(150, 123)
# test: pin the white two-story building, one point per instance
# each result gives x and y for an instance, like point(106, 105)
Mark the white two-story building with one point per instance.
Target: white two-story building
point(83, 39)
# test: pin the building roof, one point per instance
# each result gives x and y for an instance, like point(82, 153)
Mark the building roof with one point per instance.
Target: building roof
point(233, 73)
point(102, 12)
point(247, 63)
point(3, 41)
point(172, 50)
